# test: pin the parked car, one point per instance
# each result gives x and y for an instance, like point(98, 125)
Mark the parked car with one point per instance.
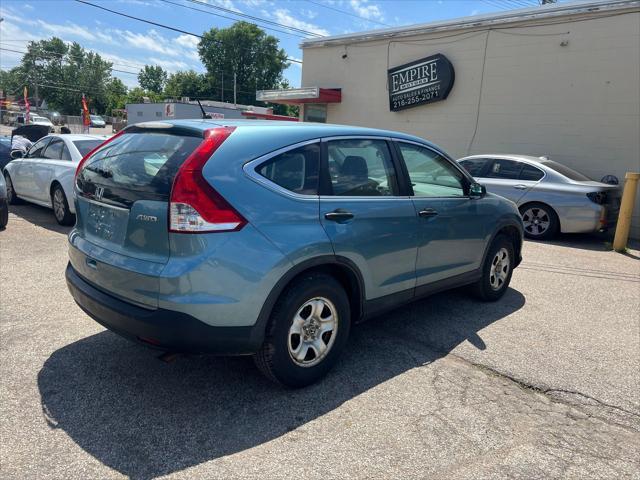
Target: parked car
point(55, 118)
point(4, 205)
point(551, 197)
point(45, 174)
point(5, 151)
point(34, 120)
point(97, 121)
point(271, 239)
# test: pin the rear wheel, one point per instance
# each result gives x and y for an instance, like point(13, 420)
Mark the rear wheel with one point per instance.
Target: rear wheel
point(12, 198)
point(61, 206)
point(496, 270)
point(4, 214)
point(540, 221)
point(308, 330)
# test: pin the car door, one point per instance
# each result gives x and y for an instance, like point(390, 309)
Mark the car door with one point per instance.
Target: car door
point(366, 218)
point(24, 181)
point(503, 178)
point(452, 226)
point(45, 166)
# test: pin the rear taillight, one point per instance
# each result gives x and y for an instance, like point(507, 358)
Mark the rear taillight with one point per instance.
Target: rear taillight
point(84, 159)
point(195, 207)
point(598, 197)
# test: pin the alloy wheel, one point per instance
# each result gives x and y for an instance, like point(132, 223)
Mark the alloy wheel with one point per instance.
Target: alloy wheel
point(59, 209)
point(536, 221)
point(312, 332)
point(499, 269)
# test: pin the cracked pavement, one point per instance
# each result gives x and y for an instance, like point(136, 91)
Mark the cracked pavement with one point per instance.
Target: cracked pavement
point(543, 384)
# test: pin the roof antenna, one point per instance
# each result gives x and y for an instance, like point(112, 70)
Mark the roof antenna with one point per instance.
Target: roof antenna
point(204, 114)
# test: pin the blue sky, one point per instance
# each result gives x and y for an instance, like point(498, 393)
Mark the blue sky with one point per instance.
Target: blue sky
point(130, 44)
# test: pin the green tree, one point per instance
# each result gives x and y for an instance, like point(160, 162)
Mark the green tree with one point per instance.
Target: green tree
point(152, 78)
point(282, 109)
point(187, 84)
point(138, 95)
point(247, 51)
point(61, 73)
point(116, 93)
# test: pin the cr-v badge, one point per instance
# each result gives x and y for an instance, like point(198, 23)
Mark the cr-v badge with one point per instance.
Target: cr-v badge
point(147, 218)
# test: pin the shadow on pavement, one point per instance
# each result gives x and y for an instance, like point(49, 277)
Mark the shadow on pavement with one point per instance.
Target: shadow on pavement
point(38, 216)
point(145, 418)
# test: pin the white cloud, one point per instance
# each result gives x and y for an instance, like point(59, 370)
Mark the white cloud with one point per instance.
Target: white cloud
point(169, 65)
point(366, 9)
point(474, 12)
point(283, 16)
point(310, 14)
point(187, 41)
point(228, 4)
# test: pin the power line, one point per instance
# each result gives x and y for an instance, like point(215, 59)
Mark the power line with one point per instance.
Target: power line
point(252, 17)
point(347, 13)
point(157, 24)
point(229, 18)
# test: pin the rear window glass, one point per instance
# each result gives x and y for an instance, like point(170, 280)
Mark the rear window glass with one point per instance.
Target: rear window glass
point(566, 171)
point(85, 146)
point(295, 170)
point(136, 166)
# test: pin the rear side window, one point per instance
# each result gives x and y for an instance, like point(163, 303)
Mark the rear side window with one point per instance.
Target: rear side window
point(136, 166)
point(54, 150)
point(475, 166)
point(530, 172)
point(66, 155)
point(295, 170)
point(508, 169)
point(566, 171)
point(361, 168)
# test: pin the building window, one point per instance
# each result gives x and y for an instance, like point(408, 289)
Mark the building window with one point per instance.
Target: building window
point(139, 114)
point(158, 114)
point(315, 112)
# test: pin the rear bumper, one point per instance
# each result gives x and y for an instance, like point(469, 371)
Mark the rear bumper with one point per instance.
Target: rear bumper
point(163, 329)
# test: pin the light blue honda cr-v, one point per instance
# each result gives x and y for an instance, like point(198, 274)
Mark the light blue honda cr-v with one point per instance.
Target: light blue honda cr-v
point(271, 239)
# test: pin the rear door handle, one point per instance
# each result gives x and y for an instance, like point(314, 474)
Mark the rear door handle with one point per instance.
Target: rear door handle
point(428, 212)
point(520, 186)
point(338, 215)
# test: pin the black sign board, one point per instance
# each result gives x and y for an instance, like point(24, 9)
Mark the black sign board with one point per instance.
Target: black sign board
point(424, 81)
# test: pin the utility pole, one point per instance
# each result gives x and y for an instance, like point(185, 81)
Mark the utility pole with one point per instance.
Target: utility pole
point(234, 88)
point(222, 89)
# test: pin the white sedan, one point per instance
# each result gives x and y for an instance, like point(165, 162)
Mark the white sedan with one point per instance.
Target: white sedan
point(44, 175)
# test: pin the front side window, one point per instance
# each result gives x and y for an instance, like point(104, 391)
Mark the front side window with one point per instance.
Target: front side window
point(361, 167)
point(54, 150)
point(507, 169)
point(296, 170)
point(475, 166)
point(431, 174)
point(38, 147)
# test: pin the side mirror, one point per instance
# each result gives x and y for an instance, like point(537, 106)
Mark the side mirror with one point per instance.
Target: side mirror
point(16, 154)
point(477, 191)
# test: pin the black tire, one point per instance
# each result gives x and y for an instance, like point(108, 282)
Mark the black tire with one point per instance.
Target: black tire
point(541, 213)
point(61, 206)
point(4, 214)
point(485, 288)
point(274, 358)
point(12, 198)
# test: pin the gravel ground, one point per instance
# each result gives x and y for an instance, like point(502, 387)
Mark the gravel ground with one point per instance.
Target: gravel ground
point(543, 384)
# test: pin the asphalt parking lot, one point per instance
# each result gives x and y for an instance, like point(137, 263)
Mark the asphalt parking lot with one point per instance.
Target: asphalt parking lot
point(543, 384)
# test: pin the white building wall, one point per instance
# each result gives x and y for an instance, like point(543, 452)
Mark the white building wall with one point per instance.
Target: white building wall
point(578, 104)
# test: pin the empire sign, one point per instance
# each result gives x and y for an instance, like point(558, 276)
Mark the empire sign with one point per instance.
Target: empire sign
point(424, 81)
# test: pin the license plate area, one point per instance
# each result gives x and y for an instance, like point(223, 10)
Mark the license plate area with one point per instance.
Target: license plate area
point(107, 223)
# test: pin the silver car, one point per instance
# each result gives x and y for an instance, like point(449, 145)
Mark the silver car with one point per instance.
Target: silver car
point(551, 197)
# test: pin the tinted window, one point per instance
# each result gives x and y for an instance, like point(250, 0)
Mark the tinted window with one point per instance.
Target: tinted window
point(38, 147)
point(431, 174)
point(508, 169)
point(361, 168)
point(566, 171)
point(66, 155)
point(136, 166)
point(295, 170)
point(475, 166)
point(85, 146)
point(531, 173)
point(54, 150)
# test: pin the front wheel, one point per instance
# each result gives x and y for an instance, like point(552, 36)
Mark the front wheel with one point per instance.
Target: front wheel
point(496, 270)
point(61, 206)
point(308, 330)
point(12, 198)
point(4, 214)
